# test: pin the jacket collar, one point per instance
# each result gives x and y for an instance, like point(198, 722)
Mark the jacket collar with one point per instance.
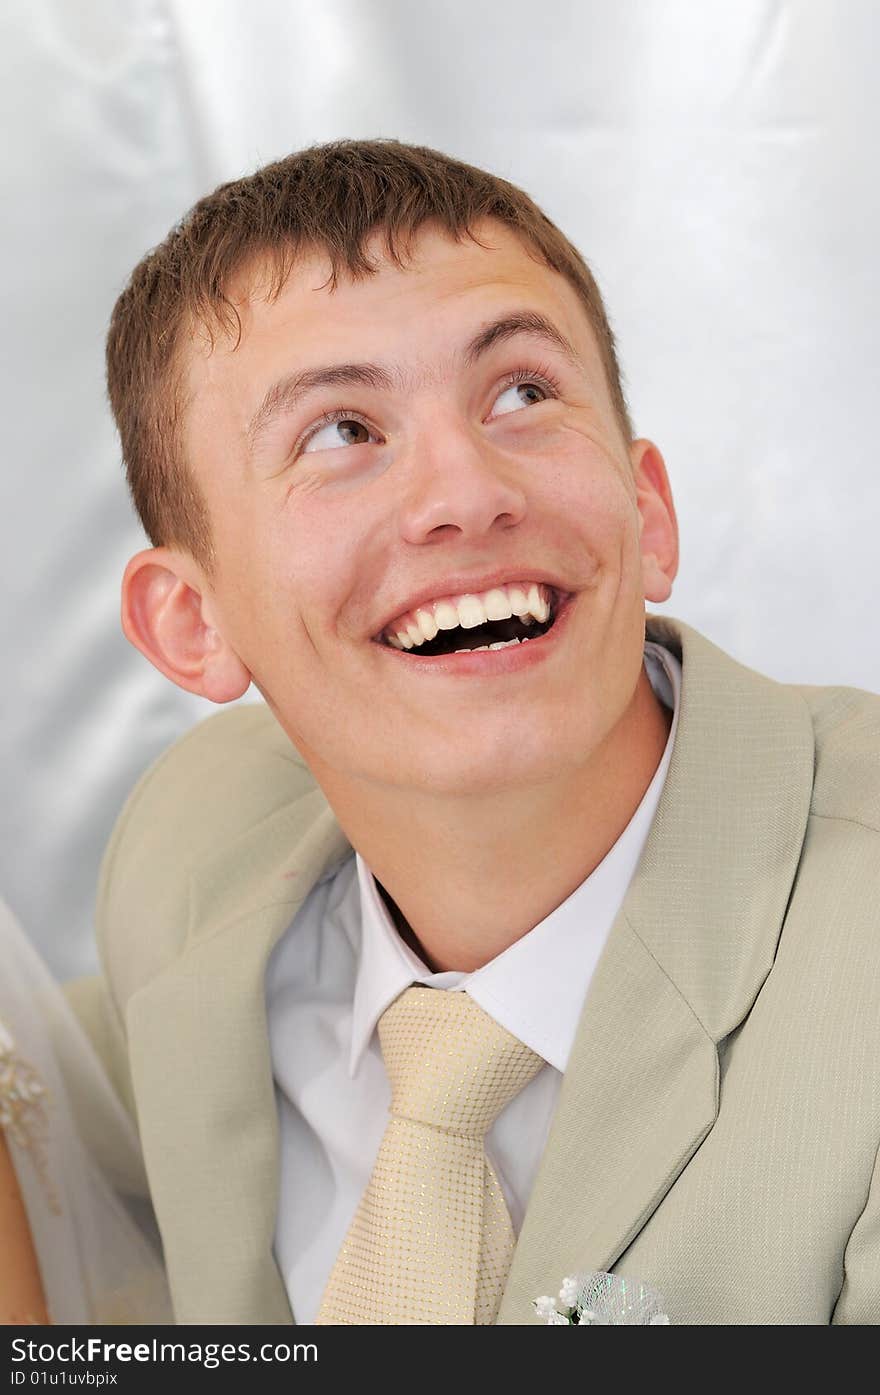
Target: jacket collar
point(205, 1092)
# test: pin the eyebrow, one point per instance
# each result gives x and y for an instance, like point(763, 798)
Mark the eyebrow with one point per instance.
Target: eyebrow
point(284, 395)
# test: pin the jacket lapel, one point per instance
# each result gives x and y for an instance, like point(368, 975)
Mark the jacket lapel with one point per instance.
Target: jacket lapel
point(686, 957)
point(205, 1092)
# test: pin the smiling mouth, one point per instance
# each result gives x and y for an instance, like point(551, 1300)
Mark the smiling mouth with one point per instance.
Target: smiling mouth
point(497, 619)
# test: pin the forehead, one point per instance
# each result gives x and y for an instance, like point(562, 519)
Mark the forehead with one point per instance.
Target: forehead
point(420, 312)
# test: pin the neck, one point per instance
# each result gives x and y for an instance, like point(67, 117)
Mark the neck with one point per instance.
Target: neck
point(490, 869)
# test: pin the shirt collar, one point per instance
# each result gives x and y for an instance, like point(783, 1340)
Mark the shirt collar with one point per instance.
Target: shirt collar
point(386, 965)
point(536, 987)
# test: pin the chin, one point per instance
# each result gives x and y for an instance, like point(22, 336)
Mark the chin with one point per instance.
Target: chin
point(509, 767)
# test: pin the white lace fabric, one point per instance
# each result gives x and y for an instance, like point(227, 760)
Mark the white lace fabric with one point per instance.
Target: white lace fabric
point(75, 1154)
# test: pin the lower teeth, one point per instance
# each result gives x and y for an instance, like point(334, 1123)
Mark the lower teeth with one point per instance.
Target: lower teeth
point(504, 644)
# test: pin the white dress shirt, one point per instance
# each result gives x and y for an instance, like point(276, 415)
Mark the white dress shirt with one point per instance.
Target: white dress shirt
point(341, 963)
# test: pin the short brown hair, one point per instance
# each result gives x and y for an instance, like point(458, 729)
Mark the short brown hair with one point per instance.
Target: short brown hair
point(330, 198)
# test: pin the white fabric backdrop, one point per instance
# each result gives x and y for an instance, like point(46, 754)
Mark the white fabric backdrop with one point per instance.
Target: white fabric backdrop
point(715, 163)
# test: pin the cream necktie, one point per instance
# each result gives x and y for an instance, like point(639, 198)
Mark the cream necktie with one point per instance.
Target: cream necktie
point(432, 1240)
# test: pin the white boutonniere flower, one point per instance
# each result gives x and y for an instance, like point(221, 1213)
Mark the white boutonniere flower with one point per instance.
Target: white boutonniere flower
point(598, 1299)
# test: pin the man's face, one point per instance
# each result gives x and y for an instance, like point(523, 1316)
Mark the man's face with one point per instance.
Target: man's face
point(443, 430)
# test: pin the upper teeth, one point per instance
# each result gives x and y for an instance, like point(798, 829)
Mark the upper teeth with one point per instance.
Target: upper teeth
point(527, 599)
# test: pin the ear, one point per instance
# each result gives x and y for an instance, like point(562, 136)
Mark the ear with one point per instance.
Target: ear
point(168, 614)
point(658, 526)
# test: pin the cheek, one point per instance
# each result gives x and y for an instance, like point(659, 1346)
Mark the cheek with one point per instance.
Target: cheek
point(286, 591)
point(595, 491)
point(254, 592)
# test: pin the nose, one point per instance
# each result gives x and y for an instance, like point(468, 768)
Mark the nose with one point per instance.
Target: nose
point(456, 485)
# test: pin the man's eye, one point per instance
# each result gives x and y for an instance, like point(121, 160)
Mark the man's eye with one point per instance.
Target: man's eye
point(519, 395)
point(342, 431)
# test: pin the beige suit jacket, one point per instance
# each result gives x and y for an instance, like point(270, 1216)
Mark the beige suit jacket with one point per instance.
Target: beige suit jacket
point(718, 1125)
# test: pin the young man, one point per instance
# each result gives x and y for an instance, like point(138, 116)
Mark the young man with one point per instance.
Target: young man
point(590, 908)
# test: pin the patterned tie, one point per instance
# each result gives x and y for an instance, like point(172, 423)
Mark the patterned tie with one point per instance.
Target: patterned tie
point(432, 1241)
